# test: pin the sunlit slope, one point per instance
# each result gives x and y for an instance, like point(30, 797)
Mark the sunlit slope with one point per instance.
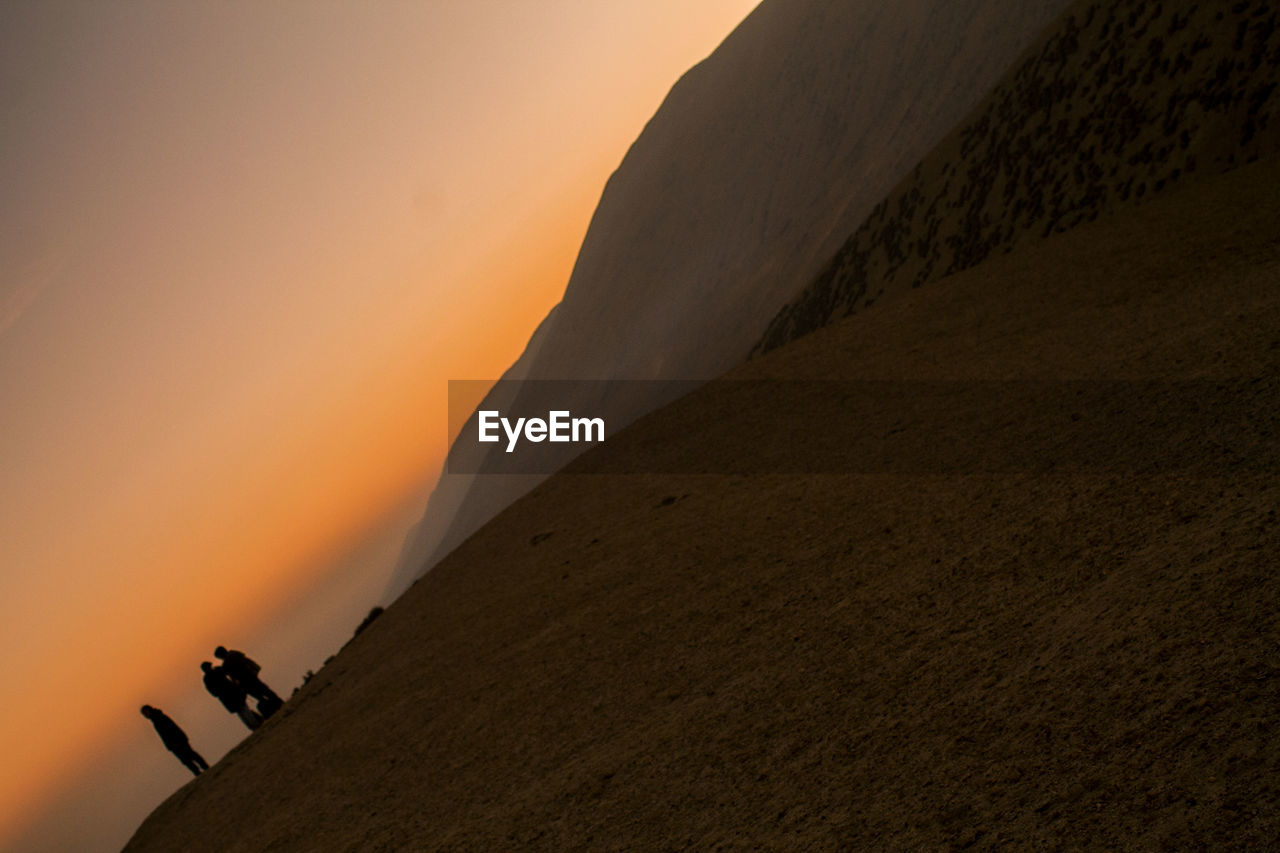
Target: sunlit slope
point(760, 162)
point(1119, 101)
point(1032, 660)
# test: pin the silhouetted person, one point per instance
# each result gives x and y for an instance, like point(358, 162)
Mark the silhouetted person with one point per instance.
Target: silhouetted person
point(175, 739)
point(244, 670)
point(230, 694)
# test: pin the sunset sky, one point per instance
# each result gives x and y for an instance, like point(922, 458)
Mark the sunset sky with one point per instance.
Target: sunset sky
point(244, 247)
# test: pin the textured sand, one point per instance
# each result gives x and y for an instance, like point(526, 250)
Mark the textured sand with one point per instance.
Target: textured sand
point(1071, 659)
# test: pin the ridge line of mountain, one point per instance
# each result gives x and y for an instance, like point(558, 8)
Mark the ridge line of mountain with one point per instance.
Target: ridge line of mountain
point(1117, 102)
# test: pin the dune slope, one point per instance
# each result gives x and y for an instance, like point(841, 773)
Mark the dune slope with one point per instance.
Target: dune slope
point(1070, 658)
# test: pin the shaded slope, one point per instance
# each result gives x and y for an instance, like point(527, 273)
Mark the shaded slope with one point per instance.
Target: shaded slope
point(1053, 660)
point(759, 163)
point(1118, 102)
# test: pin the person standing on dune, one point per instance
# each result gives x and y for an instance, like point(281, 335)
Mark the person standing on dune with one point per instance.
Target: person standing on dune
point(175, 740)
point(232, 696)
point(244, 670)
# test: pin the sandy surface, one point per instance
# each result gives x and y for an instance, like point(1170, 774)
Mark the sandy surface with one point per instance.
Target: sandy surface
point(1032, 659)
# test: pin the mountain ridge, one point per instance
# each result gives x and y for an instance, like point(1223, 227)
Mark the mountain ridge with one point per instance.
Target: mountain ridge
point(761, 160)
point(1117, 102)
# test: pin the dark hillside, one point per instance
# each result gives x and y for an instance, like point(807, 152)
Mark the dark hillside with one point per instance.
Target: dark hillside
point(1037, 659)
point(1120, 101)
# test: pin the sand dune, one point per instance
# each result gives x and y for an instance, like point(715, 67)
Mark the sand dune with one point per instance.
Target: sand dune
point(1057, 659)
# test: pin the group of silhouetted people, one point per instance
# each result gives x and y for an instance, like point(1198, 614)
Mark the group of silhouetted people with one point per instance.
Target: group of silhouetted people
point(232, 682)
point(235, 680)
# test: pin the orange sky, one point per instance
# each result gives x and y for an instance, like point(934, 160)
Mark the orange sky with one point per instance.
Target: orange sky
point(245, 247)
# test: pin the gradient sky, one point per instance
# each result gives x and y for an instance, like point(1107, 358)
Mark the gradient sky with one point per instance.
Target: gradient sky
point(244, 245)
